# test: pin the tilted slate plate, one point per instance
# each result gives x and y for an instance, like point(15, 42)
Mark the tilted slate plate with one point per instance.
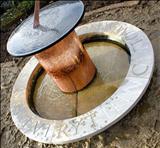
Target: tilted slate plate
point(56, 21)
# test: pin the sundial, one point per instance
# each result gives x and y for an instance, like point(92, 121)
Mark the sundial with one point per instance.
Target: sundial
point(118, 55)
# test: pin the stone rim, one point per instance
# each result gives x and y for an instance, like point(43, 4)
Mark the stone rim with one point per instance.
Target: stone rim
point(98, 119)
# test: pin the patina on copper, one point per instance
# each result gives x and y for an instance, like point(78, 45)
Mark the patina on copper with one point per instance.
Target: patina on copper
point(68, 63)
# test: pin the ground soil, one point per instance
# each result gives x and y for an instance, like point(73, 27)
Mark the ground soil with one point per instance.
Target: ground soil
point(139, 129)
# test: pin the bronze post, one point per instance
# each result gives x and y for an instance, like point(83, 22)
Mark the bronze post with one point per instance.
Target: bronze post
point(36, 13)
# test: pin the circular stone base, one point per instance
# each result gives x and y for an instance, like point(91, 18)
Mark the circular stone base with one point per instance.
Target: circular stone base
point(112, 64)
point(110, 110)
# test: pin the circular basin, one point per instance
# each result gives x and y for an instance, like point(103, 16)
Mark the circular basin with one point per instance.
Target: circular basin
point(124, 59)
point(112, 64)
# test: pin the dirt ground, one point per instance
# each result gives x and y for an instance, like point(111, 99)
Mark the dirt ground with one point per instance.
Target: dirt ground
point(139, 129)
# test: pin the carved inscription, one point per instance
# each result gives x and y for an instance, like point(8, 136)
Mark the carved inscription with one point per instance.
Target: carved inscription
point(136, 41)
point(121, 30)
point(28, 126)
point(132, 36)
point(138, 69)
point(26, 122)
point(41, 126)
point(124, 31)
point(62, 130)
point(17, 109)
point(75, 124)
point(92, 116)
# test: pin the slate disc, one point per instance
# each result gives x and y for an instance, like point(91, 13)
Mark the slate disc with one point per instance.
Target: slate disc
point(56, 21)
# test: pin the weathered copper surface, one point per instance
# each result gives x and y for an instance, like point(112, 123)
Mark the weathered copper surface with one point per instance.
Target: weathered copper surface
point(68, 63)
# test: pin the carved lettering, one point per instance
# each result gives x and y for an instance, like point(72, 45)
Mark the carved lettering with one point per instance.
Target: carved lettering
point(35, 128)
point(131, 37)
point(47, 130)
point(124, 32)
point(17, 110)
point(26, 122)
point(143, 69)
point(134, 43)
point(121, 30)
point(27, 126)
point(75, 124)
point(92, 119)
point(92, 115)
point(42, 126)
point(62, 130)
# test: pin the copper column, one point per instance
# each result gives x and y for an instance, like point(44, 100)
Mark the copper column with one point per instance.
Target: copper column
point(67, 62)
